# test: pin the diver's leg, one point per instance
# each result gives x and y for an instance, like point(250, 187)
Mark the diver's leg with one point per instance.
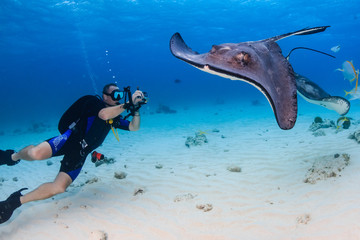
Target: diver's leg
point(44, 191)
point(47, 190)
point(39, 152)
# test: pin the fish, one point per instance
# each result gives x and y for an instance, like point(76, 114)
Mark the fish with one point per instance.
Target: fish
point(335, 49)
point(350, 74)
point(353, 93)
point(314, 94)
point(343, 122)
point(349, 71)
point(259, 63)
point(201, 132)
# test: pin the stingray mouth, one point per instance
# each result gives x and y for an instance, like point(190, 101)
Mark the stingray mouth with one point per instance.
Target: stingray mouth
point(230, 74)
point(233, 76)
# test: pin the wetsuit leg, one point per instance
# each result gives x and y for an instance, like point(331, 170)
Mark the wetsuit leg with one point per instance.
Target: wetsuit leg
point(72, 162)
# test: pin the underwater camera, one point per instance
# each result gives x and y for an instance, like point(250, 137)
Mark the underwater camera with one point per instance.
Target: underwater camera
point(129, 105)
point(127, 93)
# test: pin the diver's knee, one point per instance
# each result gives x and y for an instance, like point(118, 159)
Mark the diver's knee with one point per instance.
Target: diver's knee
point(58, 189)
point(39, 152)
point(60, 186)
point(35, 153)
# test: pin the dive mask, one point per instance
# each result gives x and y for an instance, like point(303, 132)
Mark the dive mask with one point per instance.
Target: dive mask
point(115, 95)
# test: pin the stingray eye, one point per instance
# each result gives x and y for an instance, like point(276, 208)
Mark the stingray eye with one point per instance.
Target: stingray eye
point(243, 58)
point(246, 58)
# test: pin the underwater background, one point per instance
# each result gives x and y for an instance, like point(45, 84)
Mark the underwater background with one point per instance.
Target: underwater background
point(53, 52)
point(260, 181)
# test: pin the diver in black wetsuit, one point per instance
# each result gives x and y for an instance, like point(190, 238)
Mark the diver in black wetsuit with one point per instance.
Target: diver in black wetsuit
point(79, 136)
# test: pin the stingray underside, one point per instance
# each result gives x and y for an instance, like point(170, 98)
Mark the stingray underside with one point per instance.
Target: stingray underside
point(260, 64)
point(312, 93)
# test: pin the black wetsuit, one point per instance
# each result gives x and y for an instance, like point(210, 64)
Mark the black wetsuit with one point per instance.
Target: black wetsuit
point(89, 133)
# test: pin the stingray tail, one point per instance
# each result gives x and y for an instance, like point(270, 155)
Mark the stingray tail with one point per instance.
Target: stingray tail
point(288, 56)
point(305, 31)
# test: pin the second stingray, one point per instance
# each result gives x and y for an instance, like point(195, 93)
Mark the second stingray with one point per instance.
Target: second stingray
point(312, 93)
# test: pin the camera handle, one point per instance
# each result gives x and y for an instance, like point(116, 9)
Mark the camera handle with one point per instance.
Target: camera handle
point(130, 107)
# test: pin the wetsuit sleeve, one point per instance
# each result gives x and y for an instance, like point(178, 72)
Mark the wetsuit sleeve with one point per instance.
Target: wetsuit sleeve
point(121, 123)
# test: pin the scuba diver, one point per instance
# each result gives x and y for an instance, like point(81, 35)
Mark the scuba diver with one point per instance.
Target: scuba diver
point(83, 128)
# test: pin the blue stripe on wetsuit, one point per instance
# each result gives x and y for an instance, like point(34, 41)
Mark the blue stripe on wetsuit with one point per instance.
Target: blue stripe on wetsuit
point(89, 123)
point(124, 123)
point(56, 143)
point(74, 173)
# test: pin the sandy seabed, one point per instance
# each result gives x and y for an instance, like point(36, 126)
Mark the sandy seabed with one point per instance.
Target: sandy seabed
point(251, 180)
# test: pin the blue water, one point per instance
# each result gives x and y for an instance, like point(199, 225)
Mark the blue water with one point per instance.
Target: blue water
point(53, 52)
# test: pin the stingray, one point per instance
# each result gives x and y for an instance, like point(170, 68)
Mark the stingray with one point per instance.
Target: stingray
point(312, 93)
point(259, 63)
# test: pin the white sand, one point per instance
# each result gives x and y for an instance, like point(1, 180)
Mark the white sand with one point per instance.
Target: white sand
point(268, 199)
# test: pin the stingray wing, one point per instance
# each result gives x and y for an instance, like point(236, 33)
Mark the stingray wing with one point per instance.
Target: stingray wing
point(260, 64)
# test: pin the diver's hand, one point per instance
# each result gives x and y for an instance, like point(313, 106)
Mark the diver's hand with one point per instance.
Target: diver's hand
point(138, 96)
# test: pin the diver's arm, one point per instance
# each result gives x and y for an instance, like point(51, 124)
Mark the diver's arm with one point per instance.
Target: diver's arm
point(135, 122)
point(111, 112)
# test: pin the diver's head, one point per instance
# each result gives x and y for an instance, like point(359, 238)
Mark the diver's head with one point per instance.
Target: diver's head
point(112, 94)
